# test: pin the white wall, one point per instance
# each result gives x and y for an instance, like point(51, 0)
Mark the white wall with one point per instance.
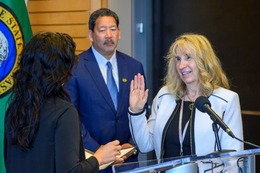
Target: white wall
point(123, 10)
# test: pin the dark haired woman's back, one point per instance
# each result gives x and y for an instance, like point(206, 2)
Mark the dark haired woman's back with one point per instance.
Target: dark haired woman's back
point(53, 139)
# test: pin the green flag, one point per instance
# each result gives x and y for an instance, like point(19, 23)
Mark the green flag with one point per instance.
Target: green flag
point(15, 31)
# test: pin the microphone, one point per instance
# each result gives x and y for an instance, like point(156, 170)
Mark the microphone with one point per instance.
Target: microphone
point(203, 104)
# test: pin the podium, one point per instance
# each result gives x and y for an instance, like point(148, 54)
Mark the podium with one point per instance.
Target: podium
point(228, 162)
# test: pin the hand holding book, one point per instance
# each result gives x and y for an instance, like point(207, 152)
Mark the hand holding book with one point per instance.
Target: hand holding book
point(110, 153)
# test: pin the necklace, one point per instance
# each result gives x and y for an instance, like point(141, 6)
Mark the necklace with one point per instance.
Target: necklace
point(182, 133)
point(191, 106)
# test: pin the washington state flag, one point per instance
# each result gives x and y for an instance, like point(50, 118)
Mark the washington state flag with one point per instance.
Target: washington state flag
point(15, 31)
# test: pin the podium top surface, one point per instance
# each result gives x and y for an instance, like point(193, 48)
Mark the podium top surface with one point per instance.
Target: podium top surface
point(170, 162)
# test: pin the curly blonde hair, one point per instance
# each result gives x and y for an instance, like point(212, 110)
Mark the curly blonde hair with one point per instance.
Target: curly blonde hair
point(211, 74)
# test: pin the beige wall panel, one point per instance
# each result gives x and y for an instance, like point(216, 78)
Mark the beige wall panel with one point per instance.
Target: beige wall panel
point(67, 16)
point(94, 5)
point(74, 31)
point(104, 3)
point(58, 5)
point(59, 18)
point(82, 43)
point(78, 52)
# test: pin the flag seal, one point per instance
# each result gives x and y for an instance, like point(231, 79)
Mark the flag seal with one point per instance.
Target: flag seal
point(11, 45)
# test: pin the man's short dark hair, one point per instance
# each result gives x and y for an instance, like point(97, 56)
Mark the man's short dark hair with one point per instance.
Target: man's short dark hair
point(101, 12)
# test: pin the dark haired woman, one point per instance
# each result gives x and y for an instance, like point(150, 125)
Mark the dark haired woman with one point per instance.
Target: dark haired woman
point(42, 129)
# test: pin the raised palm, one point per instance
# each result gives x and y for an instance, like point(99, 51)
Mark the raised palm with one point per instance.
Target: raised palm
point(138, 94)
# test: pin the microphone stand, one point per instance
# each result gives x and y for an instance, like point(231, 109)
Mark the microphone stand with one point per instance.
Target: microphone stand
point(215, 130)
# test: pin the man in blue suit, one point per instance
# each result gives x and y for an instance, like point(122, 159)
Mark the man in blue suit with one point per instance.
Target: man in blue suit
point(101, 120)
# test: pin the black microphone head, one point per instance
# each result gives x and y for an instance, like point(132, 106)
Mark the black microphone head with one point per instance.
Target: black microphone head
point(200, 102)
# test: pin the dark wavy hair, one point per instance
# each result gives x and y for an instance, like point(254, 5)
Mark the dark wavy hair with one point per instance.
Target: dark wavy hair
point(100, 13)
point(45, 65)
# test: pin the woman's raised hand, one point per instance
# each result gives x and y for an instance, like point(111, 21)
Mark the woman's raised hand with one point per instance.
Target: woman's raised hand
point(138, 94)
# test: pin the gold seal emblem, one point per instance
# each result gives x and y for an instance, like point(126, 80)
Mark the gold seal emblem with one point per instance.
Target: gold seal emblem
point(124, 79)
point(11, 45)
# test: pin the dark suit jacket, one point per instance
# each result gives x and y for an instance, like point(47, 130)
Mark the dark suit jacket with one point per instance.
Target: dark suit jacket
point(101, 123)
point(57, 147)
